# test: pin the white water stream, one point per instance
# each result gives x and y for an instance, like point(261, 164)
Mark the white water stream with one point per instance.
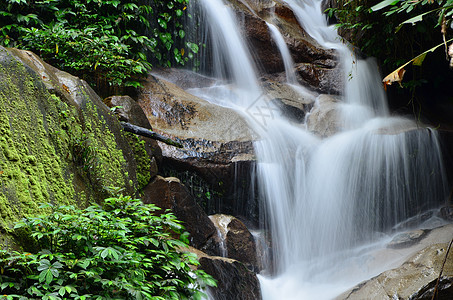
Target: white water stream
point(329, 202)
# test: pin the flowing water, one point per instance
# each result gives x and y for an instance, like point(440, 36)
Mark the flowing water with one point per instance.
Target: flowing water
point(328, 202)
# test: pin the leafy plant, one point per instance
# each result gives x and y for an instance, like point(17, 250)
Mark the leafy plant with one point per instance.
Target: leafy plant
point(109, 42)
point(123, 250)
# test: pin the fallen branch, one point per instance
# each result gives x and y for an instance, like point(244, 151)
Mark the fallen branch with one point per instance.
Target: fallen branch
point(148, 133)
point(441, 270)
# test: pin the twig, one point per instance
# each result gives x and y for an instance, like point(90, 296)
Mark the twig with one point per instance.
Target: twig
point(441, 270)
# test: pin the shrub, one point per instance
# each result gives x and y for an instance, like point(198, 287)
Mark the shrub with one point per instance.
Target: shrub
point(123, 250)
point(108, 42)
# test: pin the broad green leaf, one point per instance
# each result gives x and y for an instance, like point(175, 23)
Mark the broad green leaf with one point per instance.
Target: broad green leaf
point(384, 4)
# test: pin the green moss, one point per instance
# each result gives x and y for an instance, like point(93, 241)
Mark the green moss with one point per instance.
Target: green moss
point(141, 158)
point(110, 161)
point(31, 170)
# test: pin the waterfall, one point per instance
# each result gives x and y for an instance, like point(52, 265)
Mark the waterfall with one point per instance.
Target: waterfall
point(286, 56)
point(327, 201)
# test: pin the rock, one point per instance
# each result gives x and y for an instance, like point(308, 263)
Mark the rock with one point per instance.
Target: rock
point(237, 241)
point(253, 15)
point(446, 213)
point(324, 120)
point(294, 101)
point(320, 78)
point(128, 110)
point(406, 239)
point(169, 193)
point(444, 290)
point(415, 278)
point(185, 79)
point(58, 142)
point(241, 245)
point(234, 280)
point(217, 142)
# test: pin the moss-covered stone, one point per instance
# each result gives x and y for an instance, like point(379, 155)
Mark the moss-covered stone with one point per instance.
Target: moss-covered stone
point(142, 159)
point(58, 141)
point(31, 170)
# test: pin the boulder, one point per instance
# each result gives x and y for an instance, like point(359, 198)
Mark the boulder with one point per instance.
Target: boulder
point(317, 67)
point(234, 280)
point(410, 279)
point(169, 193)
point(218, 146)
point(321, 78)
point(421, 262)
point(294, 101)
point(406, 239)
point(58, 142)
point(253, 15)
point(236, 240)
point(127, 110)
point(324, 119)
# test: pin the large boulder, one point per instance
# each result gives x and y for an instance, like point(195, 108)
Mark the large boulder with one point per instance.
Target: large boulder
point(217, 144)
point(58, 142)
point(237, 241)
point(169, 193)
point(234, 280)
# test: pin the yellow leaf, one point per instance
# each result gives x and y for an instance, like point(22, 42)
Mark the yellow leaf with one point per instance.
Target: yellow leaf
point(56, 48)
point(182, 51)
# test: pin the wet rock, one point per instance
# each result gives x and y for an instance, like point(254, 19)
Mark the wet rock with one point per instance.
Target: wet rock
point(444, 290)
point(294, 101)
point(169, 193)
point(446, 213)
point(253, 16)
point(412, 280)
point(241, 244)
point(238, 242)
point(320, 78)
point(127, 110)
point(406, 239)
point(218, 146)
point(234, 280)
point(324, 120)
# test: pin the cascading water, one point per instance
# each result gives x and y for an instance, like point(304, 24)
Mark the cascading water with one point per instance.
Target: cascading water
point(327, 200)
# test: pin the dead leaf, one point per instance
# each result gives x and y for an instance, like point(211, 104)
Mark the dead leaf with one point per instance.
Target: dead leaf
point(66, 88)
point(395, 76)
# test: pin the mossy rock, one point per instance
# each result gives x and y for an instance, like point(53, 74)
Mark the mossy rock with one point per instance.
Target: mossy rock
point(58, 142)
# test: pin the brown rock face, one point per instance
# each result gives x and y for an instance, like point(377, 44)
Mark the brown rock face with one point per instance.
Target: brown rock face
point(235, 281)
point(218, 146)
point(317, 67)
point(241, 244)
point(169, 193)
point(238, 242)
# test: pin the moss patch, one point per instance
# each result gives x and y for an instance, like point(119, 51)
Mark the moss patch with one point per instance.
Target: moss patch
point(141, 158)
point(31, 169)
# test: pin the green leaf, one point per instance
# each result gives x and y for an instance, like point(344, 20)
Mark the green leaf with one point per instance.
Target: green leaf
point(384, 4)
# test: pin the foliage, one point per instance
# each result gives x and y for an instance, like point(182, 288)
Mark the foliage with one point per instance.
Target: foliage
point(109, 42)
point(123, 250)
point(383, 36)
